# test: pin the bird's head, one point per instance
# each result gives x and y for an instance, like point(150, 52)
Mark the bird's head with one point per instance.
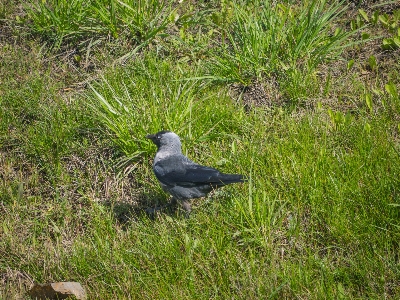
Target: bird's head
point(165, 138)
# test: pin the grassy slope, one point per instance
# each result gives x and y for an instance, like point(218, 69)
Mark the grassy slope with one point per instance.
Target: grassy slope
point(318, 218)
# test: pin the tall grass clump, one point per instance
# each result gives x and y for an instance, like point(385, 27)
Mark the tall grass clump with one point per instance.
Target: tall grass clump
point(152, 95)
point(265, 39)
point(77, 21)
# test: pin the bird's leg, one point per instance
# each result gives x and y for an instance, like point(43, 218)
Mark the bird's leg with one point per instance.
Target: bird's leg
point(153, 210)
point(187, 207)
point(173, 201)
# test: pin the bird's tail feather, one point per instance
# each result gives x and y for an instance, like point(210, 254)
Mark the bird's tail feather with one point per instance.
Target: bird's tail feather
point(232, 178)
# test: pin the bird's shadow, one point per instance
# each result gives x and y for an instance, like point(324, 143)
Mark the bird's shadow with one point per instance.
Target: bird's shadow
point(153, 206)
point(150, 205)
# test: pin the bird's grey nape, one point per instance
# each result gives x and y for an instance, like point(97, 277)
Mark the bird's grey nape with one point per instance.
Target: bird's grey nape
point(166, 141)
point(181, 177)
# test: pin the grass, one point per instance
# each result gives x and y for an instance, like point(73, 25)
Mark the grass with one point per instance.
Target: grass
point(268, 39)
point(82, 21)
point(318, 218)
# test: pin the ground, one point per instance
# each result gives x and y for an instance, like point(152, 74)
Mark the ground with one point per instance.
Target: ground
point(299, 96)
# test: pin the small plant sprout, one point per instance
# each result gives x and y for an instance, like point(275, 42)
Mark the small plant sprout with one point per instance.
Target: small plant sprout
point(365, 36)
point(368, 101)
point(391, 89)
point(372, 63)
point(350, 64)
point(364, 14)
point(367, 127)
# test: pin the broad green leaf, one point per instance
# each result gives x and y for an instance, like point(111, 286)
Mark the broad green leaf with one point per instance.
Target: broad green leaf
point(390, 44)
point(396, 40)
point(384, 19)
point(365, 36)
point(375, 17)
point(350, 64)
point(367, 127)
point(391, 89)
point(368, 101)
point(372, 62)
point(363, 14)
point(360, 23)
point(353, 25)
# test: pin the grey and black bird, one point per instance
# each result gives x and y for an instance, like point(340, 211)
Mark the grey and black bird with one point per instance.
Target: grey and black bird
point(181, 177)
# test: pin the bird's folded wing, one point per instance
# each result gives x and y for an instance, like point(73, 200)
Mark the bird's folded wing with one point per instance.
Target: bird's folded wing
point(187, 175)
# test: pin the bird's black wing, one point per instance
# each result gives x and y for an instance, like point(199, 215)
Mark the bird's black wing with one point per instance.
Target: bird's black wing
point(177, 171)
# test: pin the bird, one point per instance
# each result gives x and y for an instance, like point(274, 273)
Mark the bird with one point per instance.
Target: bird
point(181, 177)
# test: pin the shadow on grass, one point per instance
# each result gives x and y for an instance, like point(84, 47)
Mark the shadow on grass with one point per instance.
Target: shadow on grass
point(148, 205)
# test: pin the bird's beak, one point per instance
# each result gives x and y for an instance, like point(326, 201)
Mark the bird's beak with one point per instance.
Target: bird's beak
point(151, 136)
